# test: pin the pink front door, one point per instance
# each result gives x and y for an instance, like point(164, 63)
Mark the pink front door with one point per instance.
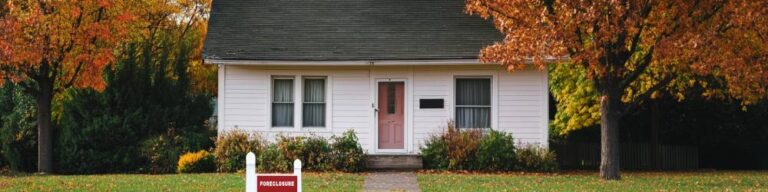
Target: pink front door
point(391, 113)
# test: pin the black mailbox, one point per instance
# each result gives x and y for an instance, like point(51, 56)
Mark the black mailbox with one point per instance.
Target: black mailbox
point(431, 103)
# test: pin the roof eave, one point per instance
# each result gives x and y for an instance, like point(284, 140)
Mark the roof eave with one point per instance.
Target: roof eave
point(404, 62)
point(344, 62)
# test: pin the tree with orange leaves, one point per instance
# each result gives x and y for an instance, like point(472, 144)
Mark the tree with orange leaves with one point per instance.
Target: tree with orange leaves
point(631, 50)
point(50, 46)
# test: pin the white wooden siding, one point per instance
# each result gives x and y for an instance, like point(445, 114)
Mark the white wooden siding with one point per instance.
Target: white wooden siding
point(523, 105)
point(519, 100)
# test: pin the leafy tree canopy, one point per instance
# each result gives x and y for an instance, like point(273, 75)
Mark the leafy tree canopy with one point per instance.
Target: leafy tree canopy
point(631, 50)
point(646, 46)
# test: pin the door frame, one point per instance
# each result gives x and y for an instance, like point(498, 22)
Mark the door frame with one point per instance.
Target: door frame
point(407, 136)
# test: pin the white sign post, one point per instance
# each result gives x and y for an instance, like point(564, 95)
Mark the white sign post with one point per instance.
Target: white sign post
point(250, 172)
point(297, 172)
point(271, 182)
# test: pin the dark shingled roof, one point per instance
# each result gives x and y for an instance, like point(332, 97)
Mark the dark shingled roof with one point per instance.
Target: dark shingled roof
point(316, 30)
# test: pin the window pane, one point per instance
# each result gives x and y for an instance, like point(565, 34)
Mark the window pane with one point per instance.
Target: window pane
point(282, 103)
point(314, 90)
point(473, 91)
point(282, 114)
point(282, 90)
point(473, 103)
point(473, 117)
point(313, 113)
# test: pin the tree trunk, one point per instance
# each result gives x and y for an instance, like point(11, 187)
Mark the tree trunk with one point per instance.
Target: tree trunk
point(44, 145)
point(610, 110)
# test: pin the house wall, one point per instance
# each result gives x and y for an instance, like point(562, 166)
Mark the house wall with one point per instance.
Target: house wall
point(519, 100)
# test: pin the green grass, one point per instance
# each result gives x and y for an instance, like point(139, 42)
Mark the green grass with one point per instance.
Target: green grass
point(569, 181)
point(588, 181)
point(169, 182)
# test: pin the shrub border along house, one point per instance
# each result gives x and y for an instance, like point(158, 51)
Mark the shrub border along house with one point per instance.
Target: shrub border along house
point(453, 149)
point(483, 150)
point(343, 153)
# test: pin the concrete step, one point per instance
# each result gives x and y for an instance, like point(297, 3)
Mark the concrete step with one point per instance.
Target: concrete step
point(393, 162)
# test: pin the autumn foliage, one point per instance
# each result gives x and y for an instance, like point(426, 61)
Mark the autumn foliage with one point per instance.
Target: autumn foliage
point(47, 47)
point(74, 38)
point(634, 50)
point(55, 45)
point(726, 39)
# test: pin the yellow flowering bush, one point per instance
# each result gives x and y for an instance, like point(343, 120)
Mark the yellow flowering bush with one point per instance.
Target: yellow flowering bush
point(196, 162)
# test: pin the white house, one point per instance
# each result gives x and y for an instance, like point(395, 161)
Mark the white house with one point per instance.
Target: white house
point(394, 71)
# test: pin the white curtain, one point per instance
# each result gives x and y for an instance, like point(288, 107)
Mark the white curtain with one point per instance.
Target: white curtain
point(473, 103)
point(314, 103)
point(282, 103)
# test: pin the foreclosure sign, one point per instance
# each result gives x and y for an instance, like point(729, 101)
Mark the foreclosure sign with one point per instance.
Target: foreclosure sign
point(276, 183)
point(271, 182)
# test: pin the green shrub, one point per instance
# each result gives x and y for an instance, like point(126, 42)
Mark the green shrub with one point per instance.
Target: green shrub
point(162, 154)
point(314, 154)
point(197, 162)
point(536, 159)
point(312, 151)
point(272, 160)
point(454, 149)
point(231, 148)
point(462, 148)
point(469, 149)
point(496, 152)
point(346, 153)
point(434, 153)
point(290, 147)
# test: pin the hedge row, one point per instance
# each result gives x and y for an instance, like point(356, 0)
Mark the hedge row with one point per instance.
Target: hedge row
point(483, 150)
point(342, 153)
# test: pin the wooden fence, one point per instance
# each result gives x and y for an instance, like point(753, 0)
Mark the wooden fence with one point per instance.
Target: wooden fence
point(634, 156)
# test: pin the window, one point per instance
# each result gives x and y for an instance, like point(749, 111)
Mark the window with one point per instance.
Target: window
point(282, 102)
point(314, 102)
point(473, 103)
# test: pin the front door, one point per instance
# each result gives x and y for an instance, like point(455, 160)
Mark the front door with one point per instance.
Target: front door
point(391, 115)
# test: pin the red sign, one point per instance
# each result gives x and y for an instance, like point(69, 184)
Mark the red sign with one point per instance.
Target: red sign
point(276, 183)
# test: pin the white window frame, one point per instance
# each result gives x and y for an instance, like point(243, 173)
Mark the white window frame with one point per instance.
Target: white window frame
point(272, 99)
point(325, 101)
point(298, 95)
point(490, 107)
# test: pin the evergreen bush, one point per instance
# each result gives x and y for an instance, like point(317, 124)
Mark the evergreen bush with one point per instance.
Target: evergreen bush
point(147, 111)
point(18, 129)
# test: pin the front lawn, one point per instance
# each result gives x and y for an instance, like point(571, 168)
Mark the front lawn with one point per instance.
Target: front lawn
point(169, 182)
point(588, 181)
